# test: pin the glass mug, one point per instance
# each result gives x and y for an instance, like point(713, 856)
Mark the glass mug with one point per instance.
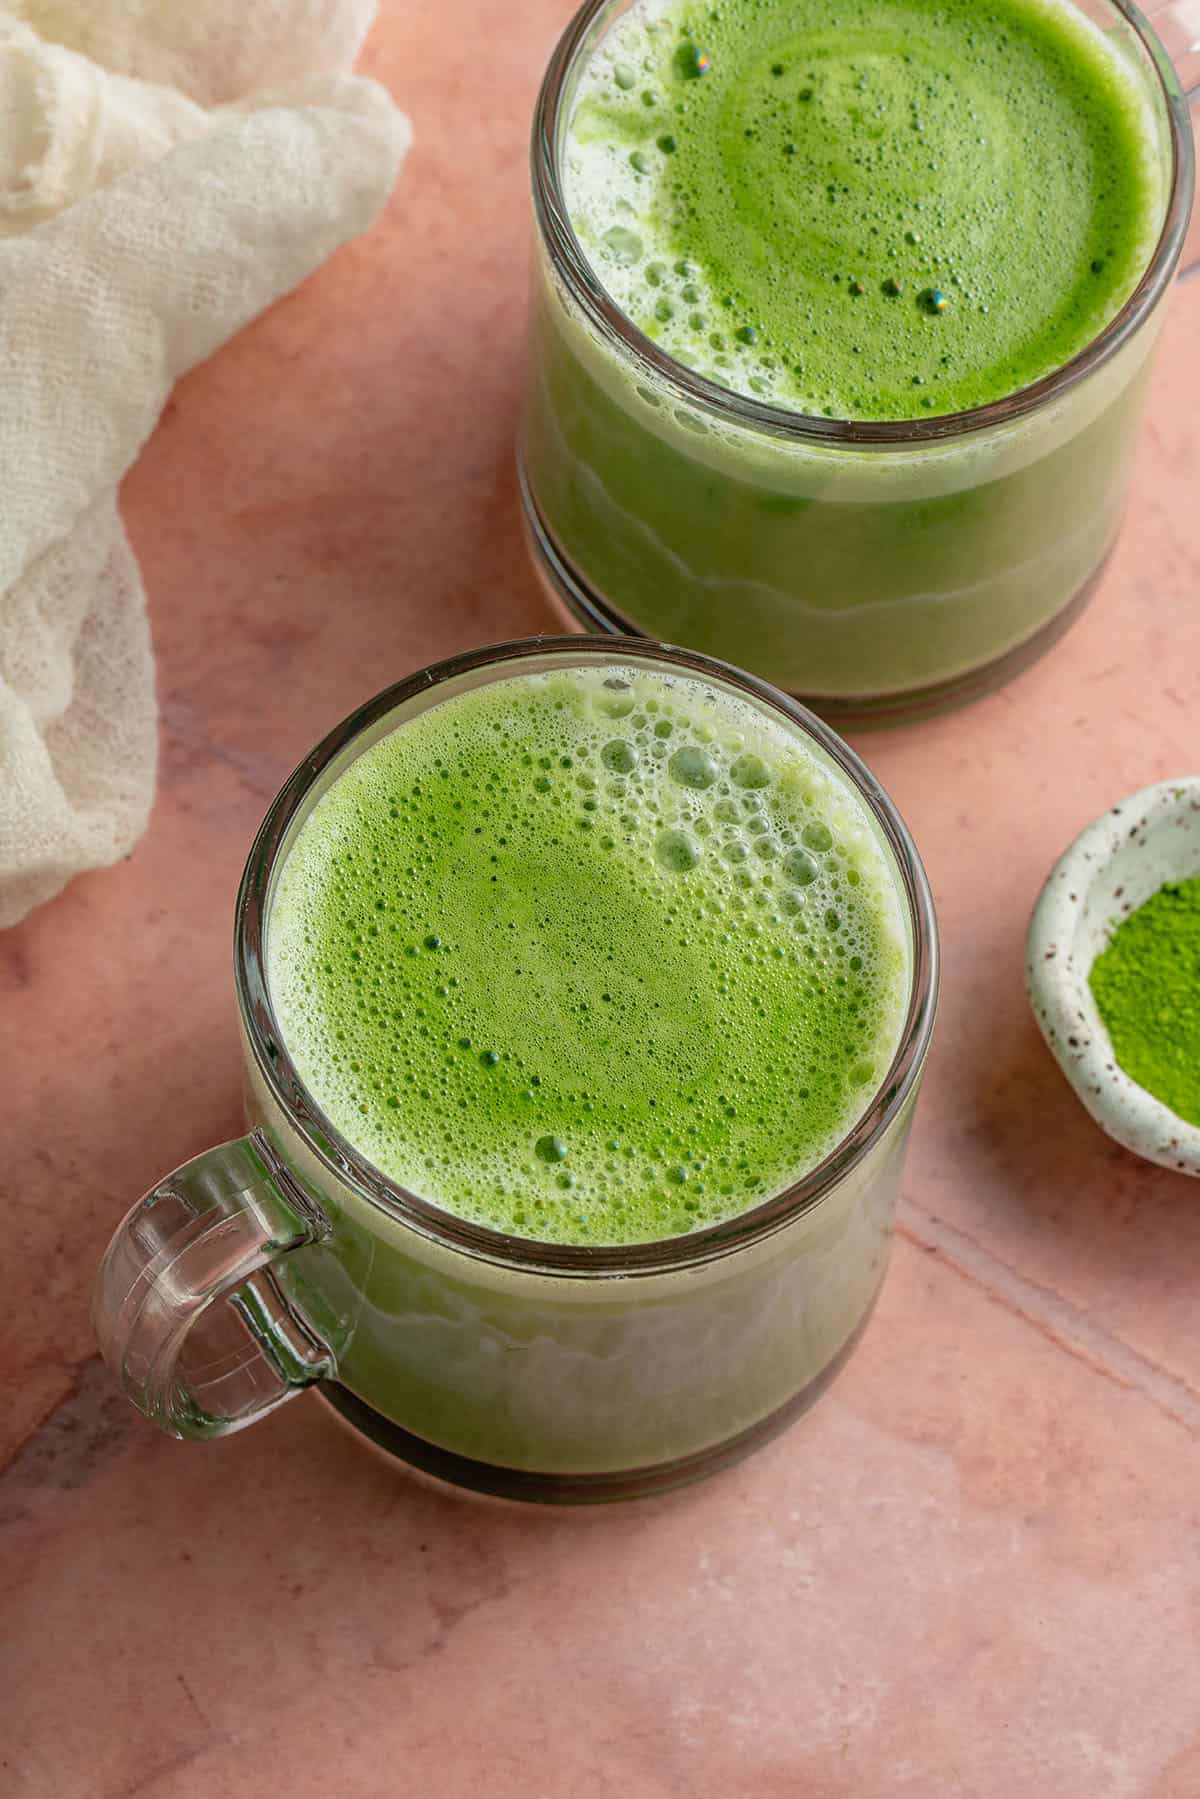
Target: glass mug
point(878, 570)
point(514, 1367)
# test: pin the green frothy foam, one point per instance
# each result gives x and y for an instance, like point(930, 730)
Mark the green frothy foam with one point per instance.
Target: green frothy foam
point(865, 209)
point(590, 957)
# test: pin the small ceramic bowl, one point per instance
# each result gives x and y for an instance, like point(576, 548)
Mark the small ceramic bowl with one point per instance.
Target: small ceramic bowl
point(1109, 871)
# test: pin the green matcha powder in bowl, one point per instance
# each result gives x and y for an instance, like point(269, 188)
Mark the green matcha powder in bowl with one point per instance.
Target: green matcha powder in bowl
point(1113, 971)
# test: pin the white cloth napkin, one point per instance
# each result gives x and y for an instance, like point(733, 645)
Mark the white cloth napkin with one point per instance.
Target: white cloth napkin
point(166, 172)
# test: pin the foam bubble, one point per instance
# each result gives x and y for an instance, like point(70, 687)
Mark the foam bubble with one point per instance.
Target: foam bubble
point(619, 756)
point(750, 771)
point(676, 851)
point(693, 767)
point(799, 867)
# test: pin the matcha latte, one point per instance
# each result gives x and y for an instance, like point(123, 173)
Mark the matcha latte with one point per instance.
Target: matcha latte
point(812, 279)
point(592, 957)
point(585, 990)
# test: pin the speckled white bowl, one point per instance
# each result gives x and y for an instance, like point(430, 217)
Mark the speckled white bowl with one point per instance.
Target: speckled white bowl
point(1108, 872)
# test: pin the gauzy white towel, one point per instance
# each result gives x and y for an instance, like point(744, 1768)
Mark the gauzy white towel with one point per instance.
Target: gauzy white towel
point(166, 172)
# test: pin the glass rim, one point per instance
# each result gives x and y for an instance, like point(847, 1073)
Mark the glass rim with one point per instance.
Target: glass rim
point(480, 1242)
point(574, 267)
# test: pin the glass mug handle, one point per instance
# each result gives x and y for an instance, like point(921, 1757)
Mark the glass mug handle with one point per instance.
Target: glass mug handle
point(189, 1316)
point(1177, 23)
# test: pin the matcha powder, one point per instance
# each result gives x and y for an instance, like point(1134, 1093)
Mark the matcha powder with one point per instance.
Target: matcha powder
point(1147, 987)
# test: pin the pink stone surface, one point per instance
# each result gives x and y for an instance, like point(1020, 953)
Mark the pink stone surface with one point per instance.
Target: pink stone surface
point(972, 1570)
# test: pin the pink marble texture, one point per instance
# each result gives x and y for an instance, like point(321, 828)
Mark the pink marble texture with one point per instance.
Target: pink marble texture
point(972, 1570)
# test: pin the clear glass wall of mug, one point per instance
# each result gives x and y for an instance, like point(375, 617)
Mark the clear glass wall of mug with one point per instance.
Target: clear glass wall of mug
point(873, 569)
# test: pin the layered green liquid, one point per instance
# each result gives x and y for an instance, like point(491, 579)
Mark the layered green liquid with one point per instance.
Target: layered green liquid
point(864, 210)
point(590, 957)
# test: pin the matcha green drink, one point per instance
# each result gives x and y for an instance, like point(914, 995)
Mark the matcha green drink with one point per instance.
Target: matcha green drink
point(585, 990)
point(852, 221)
point(600, 983)
point(590, 957)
